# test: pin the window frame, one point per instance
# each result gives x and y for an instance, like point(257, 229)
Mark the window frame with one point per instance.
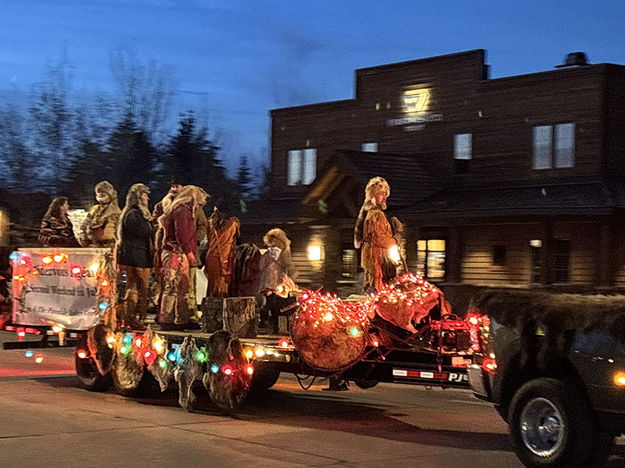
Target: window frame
point(556, 149)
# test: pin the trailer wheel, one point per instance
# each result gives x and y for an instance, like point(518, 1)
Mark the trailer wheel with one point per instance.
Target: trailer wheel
point(365, 384)
point(552, 425)
point(89, 376)
point(264, 378)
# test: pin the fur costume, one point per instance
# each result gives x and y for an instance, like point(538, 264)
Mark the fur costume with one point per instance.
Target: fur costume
point(374, 234)
point(222, 237)
point(374, 185)
point(100, 225)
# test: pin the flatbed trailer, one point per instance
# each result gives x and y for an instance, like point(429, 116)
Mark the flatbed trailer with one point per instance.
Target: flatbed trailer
point(270, 355)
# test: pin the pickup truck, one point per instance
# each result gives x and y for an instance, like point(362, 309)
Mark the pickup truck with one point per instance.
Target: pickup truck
point(553, 365)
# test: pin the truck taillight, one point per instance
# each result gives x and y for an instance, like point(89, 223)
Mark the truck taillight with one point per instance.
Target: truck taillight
point(489, 364)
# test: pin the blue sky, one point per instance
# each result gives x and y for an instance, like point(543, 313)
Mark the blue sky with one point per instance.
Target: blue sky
point(233, 61)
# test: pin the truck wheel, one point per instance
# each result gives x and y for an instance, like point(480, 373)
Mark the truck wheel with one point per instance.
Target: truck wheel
point(89, 376)
point(552, 425)
point(264, 378)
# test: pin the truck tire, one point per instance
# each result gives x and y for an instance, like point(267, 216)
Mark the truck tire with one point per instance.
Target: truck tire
point(552, 425)
point(264, 377)
point(89, 376)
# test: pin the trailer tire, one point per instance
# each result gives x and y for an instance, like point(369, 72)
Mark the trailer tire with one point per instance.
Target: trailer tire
point(89, 376)
point(264, 377)
point(552, 425)
point(365, 384)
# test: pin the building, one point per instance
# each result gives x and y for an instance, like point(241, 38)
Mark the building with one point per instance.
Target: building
point(509, 181)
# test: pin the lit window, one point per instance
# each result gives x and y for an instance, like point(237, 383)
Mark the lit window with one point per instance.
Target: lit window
point(553, 146)
point(462, 152)
point(302, 166)
point(310, 166)
point(294, 176)
point(565, 145)
point(431, 258)
point(462, 145)
point(371, 147)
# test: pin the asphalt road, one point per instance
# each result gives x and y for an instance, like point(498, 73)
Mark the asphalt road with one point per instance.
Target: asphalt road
point(46, 419)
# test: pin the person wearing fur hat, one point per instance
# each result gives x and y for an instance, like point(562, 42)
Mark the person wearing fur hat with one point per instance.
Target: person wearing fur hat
point(134, 253)
point(178, 247)
point(100, 225)
point(373, 233)
point(274, 268)
point(56, 228)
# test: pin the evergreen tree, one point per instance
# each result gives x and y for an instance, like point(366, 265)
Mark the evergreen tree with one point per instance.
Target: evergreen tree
point(244, 180)
point(191, 158)
point(130, 157)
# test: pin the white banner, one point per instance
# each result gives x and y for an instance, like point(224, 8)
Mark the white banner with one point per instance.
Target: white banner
point(56, 286)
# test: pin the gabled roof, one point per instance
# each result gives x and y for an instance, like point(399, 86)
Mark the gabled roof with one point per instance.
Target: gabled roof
point(544, 199)
point(409, 180)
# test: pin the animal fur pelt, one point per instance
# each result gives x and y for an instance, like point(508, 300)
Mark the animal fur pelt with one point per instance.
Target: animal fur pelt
point(559, 317)
point(227, 391)
point(128, 368)
point(188, 371)
point(103, 354)
point(158, 367)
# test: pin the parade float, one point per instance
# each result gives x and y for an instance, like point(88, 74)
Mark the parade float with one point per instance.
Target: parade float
point(405, 333)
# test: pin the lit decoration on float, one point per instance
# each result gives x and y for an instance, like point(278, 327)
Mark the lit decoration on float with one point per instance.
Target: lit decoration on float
point(249, 370)
point(249, 353)
point(56, 328)
point(28, 353)
point(38, 358)
point(321, 331)
point(214, 368)
point(81, 353)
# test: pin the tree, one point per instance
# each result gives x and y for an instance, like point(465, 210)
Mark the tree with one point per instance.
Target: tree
point(146, 91)
point(51, 121)
point(244, 180)
point(21, 171)
point(130, 157)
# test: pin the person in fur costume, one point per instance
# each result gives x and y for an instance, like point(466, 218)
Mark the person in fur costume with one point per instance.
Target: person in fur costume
point(134, 253)
point(100, 225)
point(222, 236)
point(177, 254)
point(56, 228)
point(201, 224)
point(373, 233)
point(273, 282)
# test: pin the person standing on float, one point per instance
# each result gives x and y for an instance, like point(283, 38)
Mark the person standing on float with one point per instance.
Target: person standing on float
point(373, 233)
point(100, 225)
point(134, 253)
point(177, 253)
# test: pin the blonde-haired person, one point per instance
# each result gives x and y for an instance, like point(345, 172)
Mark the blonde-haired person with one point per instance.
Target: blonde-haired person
point(373, 233)
point(134, 253)
point(177, 253)
point(100, 225)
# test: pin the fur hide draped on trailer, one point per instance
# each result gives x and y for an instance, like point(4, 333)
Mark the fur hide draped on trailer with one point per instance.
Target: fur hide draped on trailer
point(188, 370)
point(229, 372)
point(559, 318)
point(222, 235)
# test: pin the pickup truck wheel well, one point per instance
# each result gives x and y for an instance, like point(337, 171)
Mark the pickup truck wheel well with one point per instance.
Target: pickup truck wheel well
point(517, 375)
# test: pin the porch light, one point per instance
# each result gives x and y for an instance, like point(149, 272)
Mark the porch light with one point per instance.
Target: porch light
point(536, 243)
point(315, 252)
point(619, 379)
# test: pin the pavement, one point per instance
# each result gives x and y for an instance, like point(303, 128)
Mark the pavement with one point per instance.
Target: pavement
point(48, 420)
